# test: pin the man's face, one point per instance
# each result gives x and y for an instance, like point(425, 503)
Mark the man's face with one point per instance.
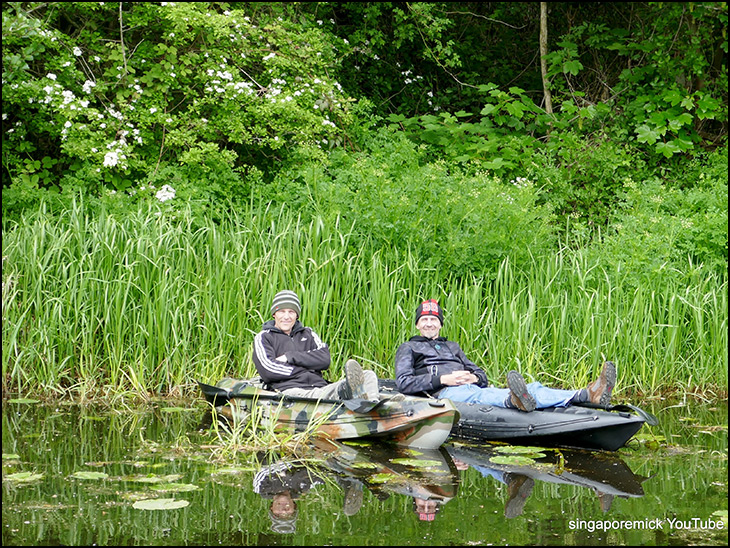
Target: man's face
point(429, 326)
point(284, 319)
point(283, 506)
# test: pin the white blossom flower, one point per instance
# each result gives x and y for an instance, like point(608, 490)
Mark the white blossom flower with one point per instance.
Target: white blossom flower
point(77, 52)
point(111, 159)
point(165, 193)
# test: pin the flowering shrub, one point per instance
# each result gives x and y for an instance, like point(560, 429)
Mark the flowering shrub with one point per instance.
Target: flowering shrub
point(104, 94)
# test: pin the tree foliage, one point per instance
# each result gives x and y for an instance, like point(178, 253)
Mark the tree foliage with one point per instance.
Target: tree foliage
point(217, 104)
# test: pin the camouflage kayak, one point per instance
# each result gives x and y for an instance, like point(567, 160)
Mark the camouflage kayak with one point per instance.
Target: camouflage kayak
point(420, 423)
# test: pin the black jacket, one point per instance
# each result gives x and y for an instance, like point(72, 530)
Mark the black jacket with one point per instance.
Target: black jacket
point(420, 362)
point(306, 357)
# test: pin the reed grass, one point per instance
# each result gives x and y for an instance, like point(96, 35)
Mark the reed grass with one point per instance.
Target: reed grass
point(97, 303)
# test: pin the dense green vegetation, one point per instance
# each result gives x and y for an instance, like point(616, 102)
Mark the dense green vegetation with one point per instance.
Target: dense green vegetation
point(168, 167)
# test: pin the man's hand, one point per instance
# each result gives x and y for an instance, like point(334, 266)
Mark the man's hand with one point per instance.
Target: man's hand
point(457, 378)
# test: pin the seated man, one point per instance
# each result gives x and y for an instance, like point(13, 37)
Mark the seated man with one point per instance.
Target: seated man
point(290, 358)
point(434, 365)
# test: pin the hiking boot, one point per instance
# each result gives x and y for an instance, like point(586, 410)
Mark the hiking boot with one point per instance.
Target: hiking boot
point(519, 488)
point(606, 500)
point(355, 380)
point(519, 396)
point(599, 391)
point(353, 499)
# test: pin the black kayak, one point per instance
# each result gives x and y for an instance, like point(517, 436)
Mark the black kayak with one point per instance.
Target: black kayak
point(578, 426)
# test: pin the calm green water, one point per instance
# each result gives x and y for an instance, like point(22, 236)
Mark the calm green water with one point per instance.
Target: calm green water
point(76, 475)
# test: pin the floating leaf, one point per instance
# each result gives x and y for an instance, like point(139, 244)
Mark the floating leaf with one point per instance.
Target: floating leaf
point(23, 477)
point(23, 400)
point(160, 504)
point(518, 449)
point(416, 463)
point(382, 478)
point(364, 465)
point(175, 487)
point(516, 460)
point(89, 475)
point(230, 470)
point(153, 479)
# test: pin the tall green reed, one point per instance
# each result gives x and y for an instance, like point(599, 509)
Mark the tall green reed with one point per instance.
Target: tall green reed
point(150, 302)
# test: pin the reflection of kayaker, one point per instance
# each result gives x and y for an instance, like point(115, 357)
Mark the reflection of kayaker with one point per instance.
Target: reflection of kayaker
point(429, 477)
point(607, 476)
point(284, 482)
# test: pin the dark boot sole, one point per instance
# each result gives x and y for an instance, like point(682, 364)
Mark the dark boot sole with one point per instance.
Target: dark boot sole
point(608, 378)
point(520, 396)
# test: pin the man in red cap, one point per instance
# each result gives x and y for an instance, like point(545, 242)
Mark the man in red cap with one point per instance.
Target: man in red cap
point(432, 364)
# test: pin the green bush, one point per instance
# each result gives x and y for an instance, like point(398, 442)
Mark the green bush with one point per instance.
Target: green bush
point(194, 87)
point(673, 228)
point(464, 223)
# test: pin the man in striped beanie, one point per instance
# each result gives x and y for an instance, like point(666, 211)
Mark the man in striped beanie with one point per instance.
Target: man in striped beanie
point(290, 358)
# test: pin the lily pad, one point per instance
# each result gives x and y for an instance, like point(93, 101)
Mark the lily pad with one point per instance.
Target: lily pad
point(153, 479)
point(515, 460)
point(518, 449)
point(364, 465)
point(175, 487)
point(22, 477)
point(84, 474)
point(160, 504)
point(382, 478)
point(416, 463)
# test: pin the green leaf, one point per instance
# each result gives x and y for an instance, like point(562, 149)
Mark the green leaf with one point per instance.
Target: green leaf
point(22, 477)
point(646, 135)
point(667, 149)
point(572, 67)
point(515, 460)
point(488, 109)
point(175, 487)
point(160, 504)
point(89, 475)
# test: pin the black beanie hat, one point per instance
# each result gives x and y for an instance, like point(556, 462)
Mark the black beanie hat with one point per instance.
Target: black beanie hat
point(430, 308)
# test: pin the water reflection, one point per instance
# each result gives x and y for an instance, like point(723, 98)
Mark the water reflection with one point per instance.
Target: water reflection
point(432, 478)
point(605, 474)
point(93, 465)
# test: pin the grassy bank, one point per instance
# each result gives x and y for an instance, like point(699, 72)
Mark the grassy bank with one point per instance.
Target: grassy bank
point(97, 304)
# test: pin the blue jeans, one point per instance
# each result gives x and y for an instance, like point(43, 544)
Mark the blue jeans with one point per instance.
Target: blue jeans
point(496, 397)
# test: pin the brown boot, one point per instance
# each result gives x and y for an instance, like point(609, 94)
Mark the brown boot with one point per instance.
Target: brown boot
point(599, 391)
point(519, 488)
point(519, 396)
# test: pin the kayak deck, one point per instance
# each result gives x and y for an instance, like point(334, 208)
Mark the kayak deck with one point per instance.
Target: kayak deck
point(573, 426)
point(410, 422)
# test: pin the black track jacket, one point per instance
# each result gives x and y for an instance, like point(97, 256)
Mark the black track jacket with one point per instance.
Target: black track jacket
point(306, 357)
